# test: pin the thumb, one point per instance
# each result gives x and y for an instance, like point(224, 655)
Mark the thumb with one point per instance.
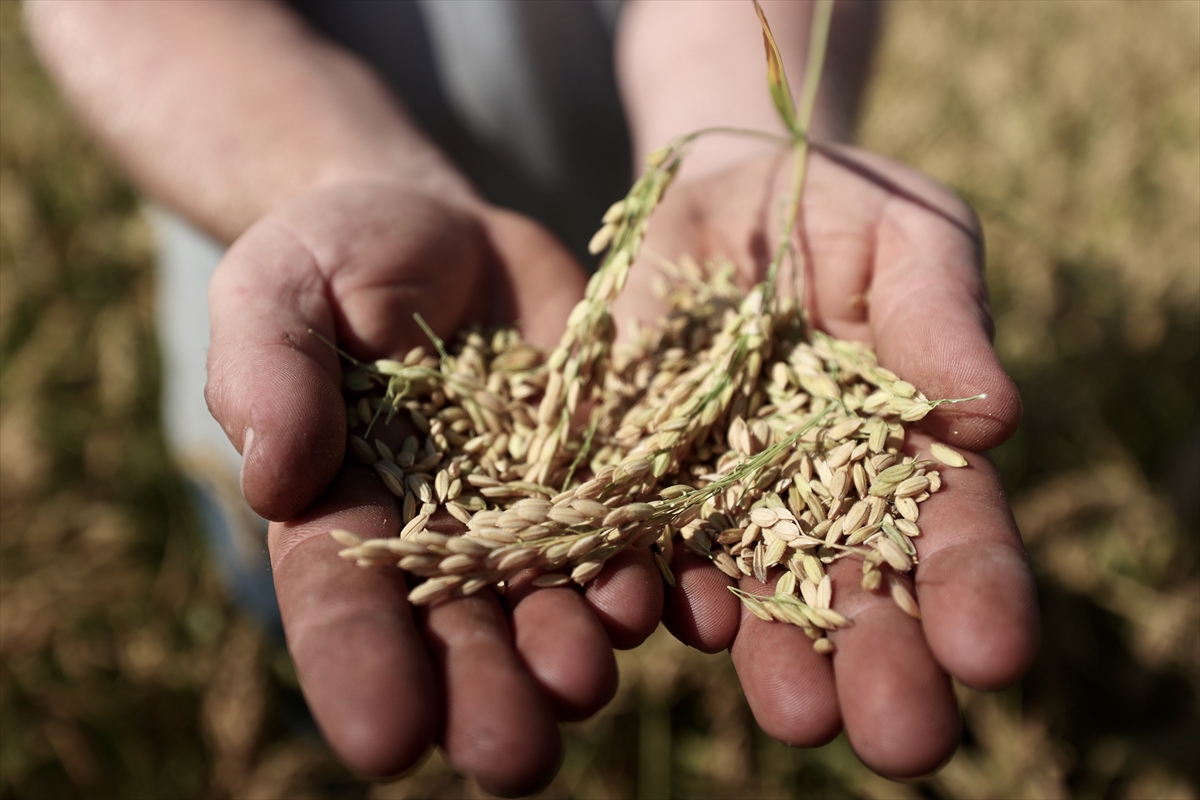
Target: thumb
point(931, 322)
point(272, 385)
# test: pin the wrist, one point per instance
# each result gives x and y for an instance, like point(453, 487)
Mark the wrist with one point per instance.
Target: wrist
point(682, 69)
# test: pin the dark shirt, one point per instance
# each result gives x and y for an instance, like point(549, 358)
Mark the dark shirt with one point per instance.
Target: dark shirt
point(519, 93)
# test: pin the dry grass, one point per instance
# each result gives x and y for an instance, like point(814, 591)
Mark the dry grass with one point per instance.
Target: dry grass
point(1074, 129)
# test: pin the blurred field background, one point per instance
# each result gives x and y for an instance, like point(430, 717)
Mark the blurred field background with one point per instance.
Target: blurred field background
point(1074, 129)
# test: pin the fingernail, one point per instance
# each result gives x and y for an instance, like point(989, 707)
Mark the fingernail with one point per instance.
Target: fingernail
point(247, 446)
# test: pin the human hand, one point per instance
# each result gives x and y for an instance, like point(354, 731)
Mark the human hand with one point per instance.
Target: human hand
point(486, 677)
point(892, 259)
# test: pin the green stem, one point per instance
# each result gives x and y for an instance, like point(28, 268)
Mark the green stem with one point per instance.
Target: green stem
point(584, 449)
point(671, 507)
point(818, 39)
point(433, 337)
point(337, 349)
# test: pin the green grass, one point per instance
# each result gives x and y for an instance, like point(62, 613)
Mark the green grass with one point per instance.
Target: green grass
point(1075, 131)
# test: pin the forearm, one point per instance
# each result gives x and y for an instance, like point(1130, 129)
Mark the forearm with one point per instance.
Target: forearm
point(225, 111)
point(682, 66)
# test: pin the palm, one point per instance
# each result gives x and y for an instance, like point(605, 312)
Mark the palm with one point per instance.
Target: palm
point(891, 259)
point(488, 679)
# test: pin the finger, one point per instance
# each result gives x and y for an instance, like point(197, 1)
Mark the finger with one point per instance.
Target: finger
point(353, 263)
point(565, 648)
point(926, 304)
point(788, 685)
point(541, 279)
point(388, 254)
point(500, 728)
point(931, 322)
point(627, 598)
point(974, 585)
point(272, 385)
point(357, 650)
point(701, 611)
point(897, 704)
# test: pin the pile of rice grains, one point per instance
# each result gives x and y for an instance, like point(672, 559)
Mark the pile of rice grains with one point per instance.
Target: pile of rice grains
point(731, 428)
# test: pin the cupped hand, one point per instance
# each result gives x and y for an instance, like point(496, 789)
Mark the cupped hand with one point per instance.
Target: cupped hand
point(486, 677)
point(893, 259)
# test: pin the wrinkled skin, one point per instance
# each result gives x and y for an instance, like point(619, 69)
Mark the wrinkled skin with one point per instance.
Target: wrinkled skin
point(892, 259)
point(486, 678)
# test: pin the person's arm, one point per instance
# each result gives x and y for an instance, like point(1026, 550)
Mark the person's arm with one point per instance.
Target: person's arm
point(226, 111)
point(891, 258)
point(683, 67)
point(345, 221)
